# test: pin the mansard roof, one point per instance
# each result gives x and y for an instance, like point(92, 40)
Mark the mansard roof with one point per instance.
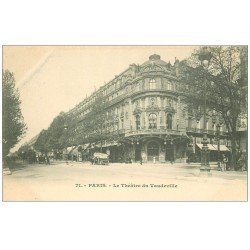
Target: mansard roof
point(155, 59)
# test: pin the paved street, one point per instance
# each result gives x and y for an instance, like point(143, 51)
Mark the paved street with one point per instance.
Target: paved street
point(122, 182)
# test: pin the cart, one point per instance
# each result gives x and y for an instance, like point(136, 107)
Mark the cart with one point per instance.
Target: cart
point(100, 159)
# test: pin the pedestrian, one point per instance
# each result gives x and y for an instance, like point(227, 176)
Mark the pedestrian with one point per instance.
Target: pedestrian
point(47, 160)
point(172, 159)
point(130, 160)
point(242, 162)
point(224, 162)
point(141, 160)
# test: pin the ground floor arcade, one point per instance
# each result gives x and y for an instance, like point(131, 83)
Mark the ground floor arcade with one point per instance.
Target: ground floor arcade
point(148, 149)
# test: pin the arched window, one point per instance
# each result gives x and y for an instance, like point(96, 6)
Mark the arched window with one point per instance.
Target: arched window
point(137, 122)
point(152, 84)
point(160, 119)
point(152, 120)
point(169, 121)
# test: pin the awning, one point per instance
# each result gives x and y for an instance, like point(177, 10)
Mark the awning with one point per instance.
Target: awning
point(69, 149)
point(222, 147)
point(199, 145)
point(73, 150)
point(210, 146)
point(109, 144)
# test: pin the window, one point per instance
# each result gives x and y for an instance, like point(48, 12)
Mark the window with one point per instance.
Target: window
point(152, 101)
point(206, 125)
point(152, 84)
point(143, 103)
point(122, 124)
point(214, 127)
point(137, 104)
point(189, 122)
point(162, 101)
point(170, 103)
point(221, 128)
point(160, 119)
point(137, 122)
point(162, 84)
point(169, 121)
point(199, 124)
point(168, 86)
point(152, 121)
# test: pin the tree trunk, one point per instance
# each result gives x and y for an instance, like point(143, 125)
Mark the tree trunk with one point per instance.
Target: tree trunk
point(234, 158)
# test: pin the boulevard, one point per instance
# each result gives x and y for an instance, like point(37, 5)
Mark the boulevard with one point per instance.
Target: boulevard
point(78, 181)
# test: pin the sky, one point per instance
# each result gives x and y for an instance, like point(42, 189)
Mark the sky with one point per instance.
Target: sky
point(52, 79)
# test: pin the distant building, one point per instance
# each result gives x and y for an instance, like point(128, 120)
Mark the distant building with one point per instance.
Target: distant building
point(242, 133)
point(145, 118)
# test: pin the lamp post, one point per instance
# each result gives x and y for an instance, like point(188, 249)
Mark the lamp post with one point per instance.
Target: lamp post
point(65, 127)
point(171, 147)
point(169, 143)
point(218, 145)
point(218, 121)
point(205, 57)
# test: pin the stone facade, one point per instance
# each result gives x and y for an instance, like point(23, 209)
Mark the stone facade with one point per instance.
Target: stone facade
point(145, 117)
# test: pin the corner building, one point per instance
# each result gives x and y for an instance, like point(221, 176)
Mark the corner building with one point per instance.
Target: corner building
point(145, 118)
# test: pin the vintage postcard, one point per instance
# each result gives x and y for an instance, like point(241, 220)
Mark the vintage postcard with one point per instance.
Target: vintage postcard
point(124, 123)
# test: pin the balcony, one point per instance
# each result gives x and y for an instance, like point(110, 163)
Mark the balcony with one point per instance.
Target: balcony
point(207, 131)
point(137, 91)
point(156, 131)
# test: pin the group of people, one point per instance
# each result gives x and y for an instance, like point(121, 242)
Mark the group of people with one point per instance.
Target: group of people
point(43, 159)
point(241, 162)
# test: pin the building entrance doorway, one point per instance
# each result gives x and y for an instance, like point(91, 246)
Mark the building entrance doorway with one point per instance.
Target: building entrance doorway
point(137, 153)
point(153, 151)
point(170, 153)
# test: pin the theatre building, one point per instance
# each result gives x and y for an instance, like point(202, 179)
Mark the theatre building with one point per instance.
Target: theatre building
point(144, 117)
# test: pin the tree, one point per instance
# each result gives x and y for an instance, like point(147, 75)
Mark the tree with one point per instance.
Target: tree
point(41, 142)
point(55, 132)
point(223, 83)
point(94, 122)
point(99, 117)
point(13, 124)
point(54, 137)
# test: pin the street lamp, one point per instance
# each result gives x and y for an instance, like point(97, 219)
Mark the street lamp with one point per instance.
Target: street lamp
point(65, 127)
point(217, 119)
point(205, 57)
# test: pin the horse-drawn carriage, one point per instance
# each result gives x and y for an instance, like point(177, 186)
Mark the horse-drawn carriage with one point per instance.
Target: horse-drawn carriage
point(100, 159)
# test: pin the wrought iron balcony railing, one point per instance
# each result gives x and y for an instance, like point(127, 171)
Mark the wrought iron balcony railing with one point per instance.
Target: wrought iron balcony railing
point(202, 131)
point(152, 132)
